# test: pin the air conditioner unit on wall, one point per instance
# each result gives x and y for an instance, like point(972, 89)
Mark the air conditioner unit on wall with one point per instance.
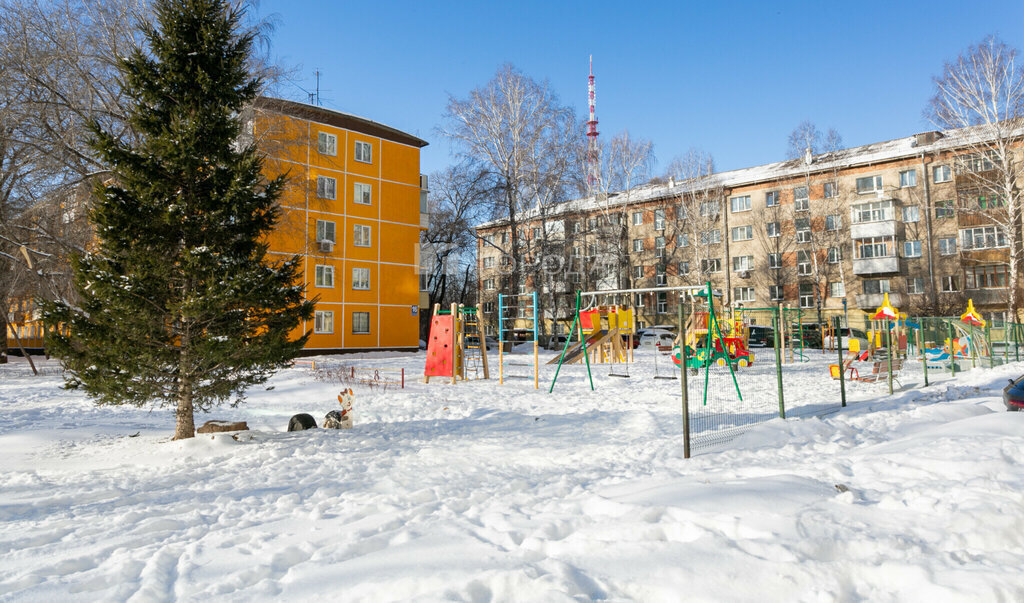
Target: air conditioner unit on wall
point(326, 246)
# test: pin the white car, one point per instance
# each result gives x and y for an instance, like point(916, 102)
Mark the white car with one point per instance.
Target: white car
point(848, 334)
point(657, 337)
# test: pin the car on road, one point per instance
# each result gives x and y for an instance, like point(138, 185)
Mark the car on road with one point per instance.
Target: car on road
point(759, 336)
point(1013, 394)
point(848, 334)
point(651, 338)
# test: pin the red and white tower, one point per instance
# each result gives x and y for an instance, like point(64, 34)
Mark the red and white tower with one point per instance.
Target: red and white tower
point(593, 150)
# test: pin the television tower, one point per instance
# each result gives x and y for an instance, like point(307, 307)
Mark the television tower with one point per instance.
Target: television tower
point(593, 150)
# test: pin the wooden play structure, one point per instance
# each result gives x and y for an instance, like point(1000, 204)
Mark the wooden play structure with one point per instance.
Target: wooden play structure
point(512, 310)
point(456, 347)
point(605, 335)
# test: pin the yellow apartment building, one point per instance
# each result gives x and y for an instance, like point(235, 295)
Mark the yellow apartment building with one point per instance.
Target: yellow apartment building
point(353, 210)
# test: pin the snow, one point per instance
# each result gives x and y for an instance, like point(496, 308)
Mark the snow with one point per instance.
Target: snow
point(482, 491)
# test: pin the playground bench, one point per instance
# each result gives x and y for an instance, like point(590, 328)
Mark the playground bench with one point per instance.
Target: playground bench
point(879, 371)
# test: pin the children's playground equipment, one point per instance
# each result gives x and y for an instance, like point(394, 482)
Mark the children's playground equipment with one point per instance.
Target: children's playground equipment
point(728, 343)
point(964, 339)
point(456, 347)
point(512, 311)
point(605, 331)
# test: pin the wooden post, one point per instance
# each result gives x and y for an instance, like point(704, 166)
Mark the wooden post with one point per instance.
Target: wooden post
point(481, 337)
point(456, 341)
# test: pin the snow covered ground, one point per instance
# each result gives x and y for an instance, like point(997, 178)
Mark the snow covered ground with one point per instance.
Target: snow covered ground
point(484, 492)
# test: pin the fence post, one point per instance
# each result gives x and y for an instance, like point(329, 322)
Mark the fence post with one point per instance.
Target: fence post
point(920, 349)
point(777, 321)
point(683, 379)
point(888, 348)
point(838, 339)
point(952, 356)
point(1006, 349)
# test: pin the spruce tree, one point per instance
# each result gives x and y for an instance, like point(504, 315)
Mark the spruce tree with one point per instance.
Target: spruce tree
point(180, 304)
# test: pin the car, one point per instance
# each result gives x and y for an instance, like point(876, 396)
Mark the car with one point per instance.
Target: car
point(651, 338)
point(760, 336)
point(848, 334)
point(1013, 394)
point(556, 342)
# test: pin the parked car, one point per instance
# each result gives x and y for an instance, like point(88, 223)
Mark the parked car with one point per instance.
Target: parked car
point(811, 335)
point(1013, 394)
point(848, 334)
point(760, 336)
point(556, 342)
point(656, 337)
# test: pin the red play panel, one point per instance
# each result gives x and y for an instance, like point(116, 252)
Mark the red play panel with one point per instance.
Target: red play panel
point(439, 347)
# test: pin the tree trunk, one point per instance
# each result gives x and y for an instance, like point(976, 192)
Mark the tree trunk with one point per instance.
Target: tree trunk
point(184, 426)
point(3, 338)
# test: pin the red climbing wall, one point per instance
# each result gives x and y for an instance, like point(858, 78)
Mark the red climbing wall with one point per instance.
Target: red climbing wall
point(439, 347)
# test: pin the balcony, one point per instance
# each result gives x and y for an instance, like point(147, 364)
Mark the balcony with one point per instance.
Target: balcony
point(867, 230)
point(876, 265)
point(871, 301)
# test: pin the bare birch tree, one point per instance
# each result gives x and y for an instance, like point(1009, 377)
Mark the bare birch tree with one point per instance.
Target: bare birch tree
point(982, 91)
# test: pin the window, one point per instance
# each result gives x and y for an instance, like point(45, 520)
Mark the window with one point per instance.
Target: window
point(831, 190)
point(591, 223)
point(592, 250)
point(982, 201)
point(488, 262)
point(659, 247)
point(771, 199)
point(659, 219)
point(947, 246)
point(684, 268)
point(488, 307)
point(710, 237)
point(577, 251)
point(324, 276)
point(874, 247)
point(743, 263)
point(709, 209)
point(489, 284)
point(834, 255)
point(912, 249)
point(911, 213)
point(326, 188)
point(915, 285)
point(806, 295)
point(327, 144)
point(362, 193)
point(801, 200)
point(614, 219)
point(743, 294)
point(837, 289)
point(324, 322)
point(361, 279)
point(775, 292)
point(325, 231)
point(803, 263)
point(577, 227)
point(874, 286)
point(535, 233)
point(985, 277)
point(638, 271)
point(772, 229)
point(949, 284)
point(977, 162)
point(803, 230)
point(638, 302)
point(833, 222)
point(638, 244)
point(638, 218)
point(681, 212)
point(875, 211)
point(360, 323)
point(364, 153)
point(662, 303)
point(742, 233)
point(908, 178)
point(983, 237)
point(740, 204)
point(711, 266)
point(575, 278)
point(869, 184)
point(361, 235)
point(659, 276)
point(944, 209)
point(682, 240)
point(775, 261)
point(942, 173)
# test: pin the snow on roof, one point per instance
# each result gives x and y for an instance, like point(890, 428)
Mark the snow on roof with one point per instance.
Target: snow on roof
point(868, 154)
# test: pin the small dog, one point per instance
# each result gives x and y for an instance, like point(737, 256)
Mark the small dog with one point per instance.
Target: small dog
point(301, 422)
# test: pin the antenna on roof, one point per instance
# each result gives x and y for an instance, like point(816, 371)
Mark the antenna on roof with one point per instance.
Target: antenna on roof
point(314, 97)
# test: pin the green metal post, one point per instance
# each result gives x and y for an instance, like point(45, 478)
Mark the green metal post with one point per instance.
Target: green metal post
point(952, 356)
point(776, 321)
point(839, 348)
point(683, 381)
point(974, 348)
point(583, 342)
point(920, 349)
point(988, 344)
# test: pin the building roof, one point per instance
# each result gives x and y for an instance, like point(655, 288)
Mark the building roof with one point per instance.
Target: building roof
point(331, 117)
point(878, 152)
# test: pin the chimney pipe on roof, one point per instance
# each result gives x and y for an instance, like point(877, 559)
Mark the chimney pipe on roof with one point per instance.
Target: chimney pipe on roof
point(808, 158)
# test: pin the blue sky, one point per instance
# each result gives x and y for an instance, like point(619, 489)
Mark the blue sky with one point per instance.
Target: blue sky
point(732, 78)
